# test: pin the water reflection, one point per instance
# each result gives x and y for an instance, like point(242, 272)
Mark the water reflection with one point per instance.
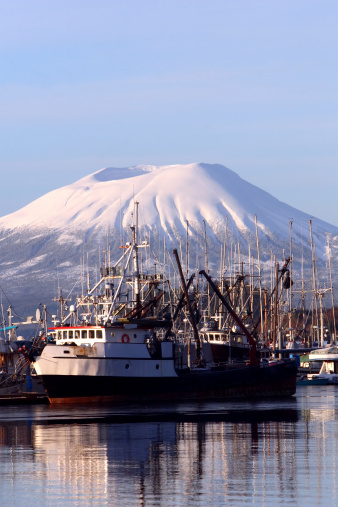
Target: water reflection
point(270, 459)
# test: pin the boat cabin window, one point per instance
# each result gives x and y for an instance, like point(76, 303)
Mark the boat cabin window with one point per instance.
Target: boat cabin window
point(70, 334)
point(84, 333)
point(59, 335)
point(65, 335)
point(99, 333)
point(77, 334)
point(91, 333)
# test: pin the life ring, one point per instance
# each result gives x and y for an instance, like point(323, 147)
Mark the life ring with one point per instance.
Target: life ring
point(125, 338)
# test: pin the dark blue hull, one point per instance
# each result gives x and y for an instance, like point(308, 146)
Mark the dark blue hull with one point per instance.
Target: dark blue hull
point(198, 384)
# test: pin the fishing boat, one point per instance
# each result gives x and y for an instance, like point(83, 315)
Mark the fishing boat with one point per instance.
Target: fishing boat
point(119, 349)
point(328, 359)
point(9, 382)
point(16, 382)
point(226, 345)
point(127, 361)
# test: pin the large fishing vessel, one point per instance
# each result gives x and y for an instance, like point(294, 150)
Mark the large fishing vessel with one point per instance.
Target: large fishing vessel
point(113, 346)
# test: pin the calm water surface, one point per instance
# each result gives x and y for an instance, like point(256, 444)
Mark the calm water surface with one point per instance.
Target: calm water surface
point(277, 452)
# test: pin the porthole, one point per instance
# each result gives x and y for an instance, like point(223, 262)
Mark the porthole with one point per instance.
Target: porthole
point(157, 366)
point(126, 366)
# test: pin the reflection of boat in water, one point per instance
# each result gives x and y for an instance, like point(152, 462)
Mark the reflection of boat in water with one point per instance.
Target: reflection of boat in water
point(97, 459)
point(117, 352)
point(328, 358)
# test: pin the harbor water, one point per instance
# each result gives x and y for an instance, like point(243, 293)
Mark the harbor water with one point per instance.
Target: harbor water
point(267, 452)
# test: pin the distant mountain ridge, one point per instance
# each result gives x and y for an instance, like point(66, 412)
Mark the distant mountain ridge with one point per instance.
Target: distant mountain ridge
point(43, 243)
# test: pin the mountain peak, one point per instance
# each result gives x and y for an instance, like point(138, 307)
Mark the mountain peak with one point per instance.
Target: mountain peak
point(53, 233)
point(168, 196)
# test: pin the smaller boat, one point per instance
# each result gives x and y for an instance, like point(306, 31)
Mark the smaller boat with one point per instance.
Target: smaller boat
point(328, 357)
point(226, 345)
point(304, 381)
point(17, 382)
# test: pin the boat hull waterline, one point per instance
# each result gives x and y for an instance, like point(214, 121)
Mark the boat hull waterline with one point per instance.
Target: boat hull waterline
point(197, 384)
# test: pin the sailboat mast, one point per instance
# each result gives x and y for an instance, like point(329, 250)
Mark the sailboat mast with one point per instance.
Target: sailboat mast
point(290, 289)
point(303, 299)
point(314, 281)
point(332, 296)
point(259, 277)
point(275, 316)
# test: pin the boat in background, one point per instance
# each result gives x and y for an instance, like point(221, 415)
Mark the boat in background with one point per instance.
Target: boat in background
point(17, 384)
point(328, 358)
point(304, 381)
point(226, 344)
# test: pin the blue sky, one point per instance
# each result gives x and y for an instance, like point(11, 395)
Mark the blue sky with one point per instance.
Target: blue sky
point(252, 85)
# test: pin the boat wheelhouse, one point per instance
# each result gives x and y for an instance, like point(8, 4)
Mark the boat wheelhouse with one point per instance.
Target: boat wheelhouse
point(226, 345)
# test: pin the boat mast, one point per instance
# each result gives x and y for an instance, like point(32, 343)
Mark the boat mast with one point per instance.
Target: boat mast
point(259, 277)
point(275, 312)
point(314, 284)
point(290, 289)
point(303, 301)
point(224, 253)
point(320, 295)
point(207, 267)
point(332, 296)
point(136, 273)
point(193, 323)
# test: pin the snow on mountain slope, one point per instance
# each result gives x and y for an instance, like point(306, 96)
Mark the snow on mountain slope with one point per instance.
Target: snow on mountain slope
point(168, 197)
point(50, 237)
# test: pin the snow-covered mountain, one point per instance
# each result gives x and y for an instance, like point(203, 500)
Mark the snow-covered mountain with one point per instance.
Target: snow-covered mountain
point(44, 244)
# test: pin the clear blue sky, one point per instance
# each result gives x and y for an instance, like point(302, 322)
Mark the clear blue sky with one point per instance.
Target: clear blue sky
point(249, 84)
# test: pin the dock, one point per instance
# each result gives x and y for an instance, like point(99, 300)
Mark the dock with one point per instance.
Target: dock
point(23, 398)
